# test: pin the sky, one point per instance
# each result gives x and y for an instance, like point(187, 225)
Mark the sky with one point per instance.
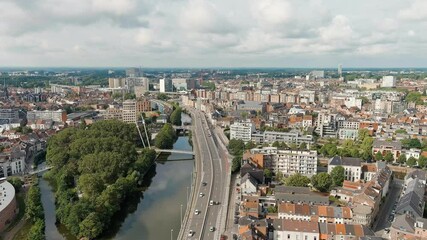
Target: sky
point(215, 33)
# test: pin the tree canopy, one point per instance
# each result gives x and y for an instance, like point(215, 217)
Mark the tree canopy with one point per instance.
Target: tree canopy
point(338, 175)
point(95, 169)
point(175, 118)
point(166, 137)
point(297, 180)
point(321, 181)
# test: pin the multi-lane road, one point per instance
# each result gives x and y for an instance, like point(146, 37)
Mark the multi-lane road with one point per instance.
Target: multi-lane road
point(210, 185)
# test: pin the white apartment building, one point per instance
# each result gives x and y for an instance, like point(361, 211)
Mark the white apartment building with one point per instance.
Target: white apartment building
point(165, 85)
point(388, 82)
point(286, 137)
point(290, 162)
point(307, 96)
point(352, 167)
point(413, 152)
point(57, 116)
point(242, 130)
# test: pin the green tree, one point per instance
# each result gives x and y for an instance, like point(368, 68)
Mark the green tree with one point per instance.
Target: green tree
point(162, 96)
point(250, 145)
point(389, 157)
point(411, 162)
point(422, 162)
point(33, 204)
point(16, 183)
point(297, 180)
point(303, 146)
point(379, 156)
point(272, 209)
point(91, 226)
point(37, 230)
point(268, 173)
point(338, 175)
point(175, 117)
point(236, 163)
point(362, 134)
point(321, 182)
point(236, 146)
point(402, 158)
point(166, 137)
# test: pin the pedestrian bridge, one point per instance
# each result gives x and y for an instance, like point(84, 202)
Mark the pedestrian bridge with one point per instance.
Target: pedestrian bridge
point(46, 168)
point(173, 151)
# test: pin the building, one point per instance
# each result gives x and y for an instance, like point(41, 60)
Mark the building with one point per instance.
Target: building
point(113, 113)
point(299, 195)
point(12, 163)
point(242, 130)
point(315, 213)
point(388, 82)
point(7, 204)
point(286, 137)
point(352, 167)
point(384, 146)
point(116, 82)
point(290, 162)
point(180, 84)
point(57, 116)
point(129, 114)
point(165, 85)
point(133, 72)
point(9, 116)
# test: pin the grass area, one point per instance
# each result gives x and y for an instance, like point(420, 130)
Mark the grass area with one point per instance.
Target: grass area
point(23, 232)
point(20, 199)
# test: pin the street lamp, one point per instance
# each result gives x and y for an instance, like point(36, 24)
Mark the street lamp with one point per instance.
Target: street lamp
point(171, 234)
point(187, 193)
point(181, 215)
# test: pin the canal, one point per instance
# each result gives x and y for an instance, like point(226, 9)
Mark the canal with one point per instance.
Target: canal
point(154, 214)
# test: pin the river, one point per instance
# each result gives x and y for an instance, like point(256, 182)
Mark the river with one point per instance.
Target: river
point(150, 216)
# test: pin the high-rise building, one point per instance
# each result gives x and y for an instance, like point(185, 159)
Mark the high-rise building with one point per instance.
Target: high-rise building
point(388, 82)
point(340, 70)
point(129, 111)
point(133, 72)
point(116, 82)
point(242, 130)
point(166, 85)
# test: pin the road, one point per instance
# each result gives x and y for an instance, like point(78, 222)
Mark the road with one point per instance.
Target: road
point(213, 173)
point(385, 210)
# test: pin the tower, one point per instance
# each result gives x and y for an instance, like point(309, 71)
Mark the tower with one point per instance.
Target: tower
point(340, 70)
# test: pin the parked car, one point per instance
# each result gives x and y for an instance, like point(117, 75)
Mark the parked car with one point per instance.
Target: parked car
point(190, 233)
point(197, 212)
point(212, 229)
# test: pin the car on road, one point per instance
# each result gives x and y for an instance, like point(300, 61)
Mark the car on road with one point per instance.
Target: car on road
point(212, 229)
point(190, 233)
point(390, 218)
point(197, 212)
point(211, 203)
point(204, 183)
point(201, 194)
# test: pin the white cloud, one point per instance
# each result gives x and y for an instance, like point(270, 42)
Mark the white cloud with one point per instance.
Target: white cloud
point(209, 33)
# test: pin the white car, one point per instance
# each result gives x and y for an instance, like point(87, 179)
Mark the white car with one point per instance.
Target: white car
point(201, 194)
point(197, 212)
point(211, 202)
point(190, 233)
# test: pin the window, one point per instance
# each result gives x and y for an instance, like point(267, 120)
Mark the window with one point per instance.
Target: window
point(289, 236)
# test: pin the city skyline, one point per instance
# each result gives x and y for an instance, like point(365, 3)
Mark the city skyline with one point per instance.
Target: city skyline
point(200, 33)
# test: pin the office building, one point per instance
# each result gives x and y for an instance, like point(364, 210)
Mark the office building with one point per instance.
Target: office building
point(165, 85)
point(133, 72)
point(116, 82)
point(129, 114)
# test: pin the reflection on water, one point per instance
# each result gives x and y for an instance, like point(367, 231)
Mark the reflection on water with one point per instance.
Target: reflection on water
point(149, 215)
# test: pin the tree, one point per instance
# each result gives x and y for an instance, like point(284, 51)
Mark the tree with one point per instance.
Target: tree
point(250, 145)
point(175, 117)
point(236, 163)
point(362, 134)
point(272, 209)
point(338, 175)
point(303, 146)
point(34, 207)
point(91, 226)
point(162, 96)
point(16, 182)
point(411, 162)
point(389, 157)
point(402, 158)
point(166, 137)
point(268, 173)
point(297, 180)
point(422, 162)
point(321, 182)
point(378, 156)
point(236, 146)
point(37, 230)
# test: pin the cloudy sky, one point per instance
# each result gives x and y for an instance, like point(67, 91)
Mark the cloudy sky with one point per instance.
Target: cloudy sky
point(215, 33)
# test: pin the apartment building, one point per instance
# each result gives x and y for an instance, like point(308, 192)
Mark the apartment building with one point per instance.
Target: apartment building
point(129, 113)
point(242, 130)
point(57, 116)
point(384, 146)
point(315, 213)
point(9, 116)
point(286, 137)
point(352, 167)
point(290, 162)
